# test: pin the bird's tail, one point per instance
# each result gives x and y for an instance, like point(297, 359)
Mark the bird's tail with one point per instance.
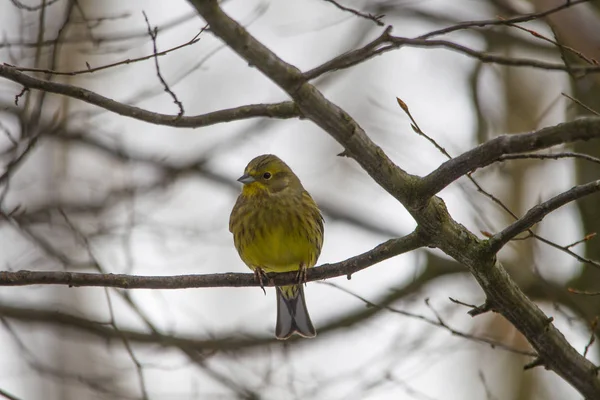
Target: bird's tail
point(292, 314)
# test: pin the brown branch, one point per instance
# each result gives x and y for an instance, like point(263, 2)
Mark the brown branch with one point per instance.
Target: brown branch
point(18, 4)
point(386, 250)
point(90, 70)
point(592, 339)
point(503, 21)
point(581, 104)
point(562, 47)
point(537, 213)
point(153, 35)
point(374, 18)
point(417, 129)
point(387, 42)
point(6, 395)
point(128, 348)
point(14, 164)
point(438, 322)
point(396, 42)
point(283, 110)
point(583, 292)
point(109, 38)
point(377, 47)
point(492, 150)
point(587, 237)
point(437, 268)
point(551, 156)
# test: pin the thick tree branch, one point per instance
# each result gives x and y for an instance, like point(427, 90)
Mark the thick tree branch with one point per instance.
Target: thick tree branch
point(283, 110)
point(537, 213)
point(492, 150)
point(454, 239)
point(382, 252)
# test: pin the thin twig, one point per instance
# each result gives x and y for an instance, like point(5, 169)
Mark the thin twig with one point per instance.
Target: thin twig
point(488, 393)
point(418, 130)
point(593, 327)
point(500, 22)
point(585, 239)
point(574, 100)
point(14, 164)
point(553, 156)
point(108, 38)
point(21, 6)
point(374, 18)
point(138, 365)
point(153, 34)
point(554, 42)
point(567, 251)
point(435, 322)
point(537, 213)
point(583, 292)
point(90, 70)
point(6, 395)
point(21, 93)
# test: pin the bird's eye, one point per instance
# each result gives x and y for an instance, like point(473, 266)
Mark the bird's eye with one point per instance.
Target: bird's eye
point(267, 175)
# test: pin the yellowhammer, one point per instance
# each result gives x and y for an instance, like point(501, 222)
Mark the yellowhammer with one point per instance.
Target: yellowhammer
point(277, 227)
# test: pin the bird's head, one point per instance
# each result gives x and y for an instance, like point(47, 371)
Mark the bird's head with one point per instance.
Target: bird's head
point(267, 174)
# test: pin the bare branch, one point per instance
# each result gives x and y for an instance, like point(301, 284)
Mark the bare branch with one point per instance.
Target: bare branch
point(6, 395)
point(90, 70)
point(374, 18)
point(386, 250)
point(12, 165)
point(537, 213)
point(153, 34)
point(109, 38)
point(593, 327)
point(587, 237)
point(438, 322)
point(503, 21)
point(21, 6)
point(551, 156)
point(492, 150)
point(136, 362)
point(437, 268)
point(562, 47)
point(387, 42)
point(581, 104)
point(283, 110)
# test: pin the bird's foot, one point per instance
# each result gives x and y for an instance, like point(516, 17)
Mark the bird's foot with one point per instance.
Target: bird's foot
point(261, 276)
point(301, 276)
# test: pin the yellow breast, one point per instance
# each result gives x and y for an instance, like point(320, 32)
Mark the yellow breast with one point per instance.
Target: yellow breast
point(277, 236)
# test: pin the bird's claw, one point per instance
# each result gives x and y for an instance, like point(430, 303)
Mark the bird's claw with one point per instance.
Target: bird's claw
point(302, 274)
point(259, 274)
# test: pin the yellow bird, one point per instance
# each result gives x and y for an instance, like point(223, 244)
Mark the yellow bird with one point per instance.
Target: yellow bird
point(277, 227)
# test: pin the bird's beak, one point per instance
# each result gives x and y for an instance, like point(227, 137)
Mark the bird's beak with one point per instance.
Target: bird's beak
point(245, 179)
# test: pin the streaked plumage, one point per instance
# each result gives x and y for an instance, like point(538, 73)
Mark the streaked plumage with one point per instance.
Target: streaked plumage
point(277, 227)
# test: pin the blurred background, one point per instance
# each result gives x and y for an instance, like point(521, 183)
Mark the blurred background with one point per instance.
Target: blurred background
point(84, 189)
